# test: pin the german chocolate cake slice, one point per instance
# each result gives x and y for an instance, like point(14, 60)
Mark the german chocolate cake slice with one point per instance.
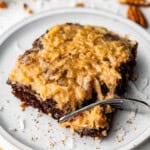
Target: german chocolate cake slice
point(71, 66)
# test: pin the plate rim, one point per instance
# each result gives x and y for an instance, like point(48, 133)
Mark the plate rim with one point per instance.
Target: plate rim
point(142, 137)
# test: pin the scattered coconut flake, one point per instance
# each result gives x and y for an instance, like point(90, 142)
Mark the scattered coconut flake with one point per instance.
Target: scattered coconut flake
point(132, 114)
point(64, 139)
point(70, 142)
point(121, 133)
point(22, 124)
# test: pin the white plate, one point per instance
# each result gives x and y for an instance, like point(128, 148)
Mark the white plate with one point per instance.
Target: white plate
point(20, 37)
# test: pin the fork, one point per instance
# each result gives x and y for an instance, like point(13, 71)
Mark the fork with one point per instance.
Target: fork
point(121, 103)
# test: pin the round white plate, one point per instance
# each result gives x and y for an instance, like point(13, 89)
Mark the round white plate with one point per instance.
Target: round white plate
point(42, 133)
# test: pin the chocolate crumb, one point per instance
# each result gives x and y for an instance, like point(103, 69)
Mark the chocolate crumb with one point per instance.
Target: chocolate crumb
point(129, 121)
point(25, 6)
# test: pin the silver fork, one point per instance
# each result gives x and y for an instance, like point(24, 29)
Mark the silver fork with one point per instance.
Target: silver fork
point(122, 103)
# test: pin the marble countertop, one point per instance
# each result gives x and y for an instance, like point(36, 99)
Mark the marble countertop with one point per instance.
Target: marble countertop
point(15, 13)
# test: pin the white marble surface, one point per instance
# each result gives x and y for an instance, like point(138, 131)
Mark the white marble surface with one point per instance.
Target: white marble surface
point(16, 13)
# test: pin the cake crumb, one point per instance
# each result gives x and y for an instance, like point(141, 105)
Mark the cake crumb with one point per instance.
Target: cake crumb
point(39, 115)
point(134, 77)
point(52, 143)
point(104, 132)
point(36, 121)
point(30, 11)
point(34, 139)
point(49, 124)
point(129, 121)
point(79, 4)
point(119, 139)
point(96, 138)
point(23, 106)
point(121, 133)
point(3, 5)
point(64, 139)
point(25, 6)
point(134, 129)
point(49, 114)
point(27, 9)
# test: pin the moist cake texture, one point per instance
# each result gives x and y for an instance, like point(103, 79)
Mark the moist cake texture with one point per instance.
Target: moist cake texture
point(71, 66)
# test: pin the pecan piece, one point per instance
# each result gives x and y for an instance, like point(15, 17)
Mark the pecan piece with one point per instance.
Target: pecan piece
point(135, 2)
point(136, 15)
point(79, 4)
point(3, 5)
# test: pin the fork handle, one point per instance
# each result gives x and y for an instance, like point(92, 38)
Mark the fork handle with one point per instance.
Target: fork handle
point(101, 103)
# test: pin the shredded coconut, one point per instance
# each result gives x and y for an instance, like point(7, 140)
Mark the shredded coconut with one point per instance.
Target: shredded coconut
point(22, 124)
point(70, 142)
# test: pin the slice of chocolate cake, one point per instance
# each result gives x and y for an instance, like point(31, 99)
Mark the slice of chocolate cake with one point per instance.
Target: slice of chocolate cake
point(71, 66)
